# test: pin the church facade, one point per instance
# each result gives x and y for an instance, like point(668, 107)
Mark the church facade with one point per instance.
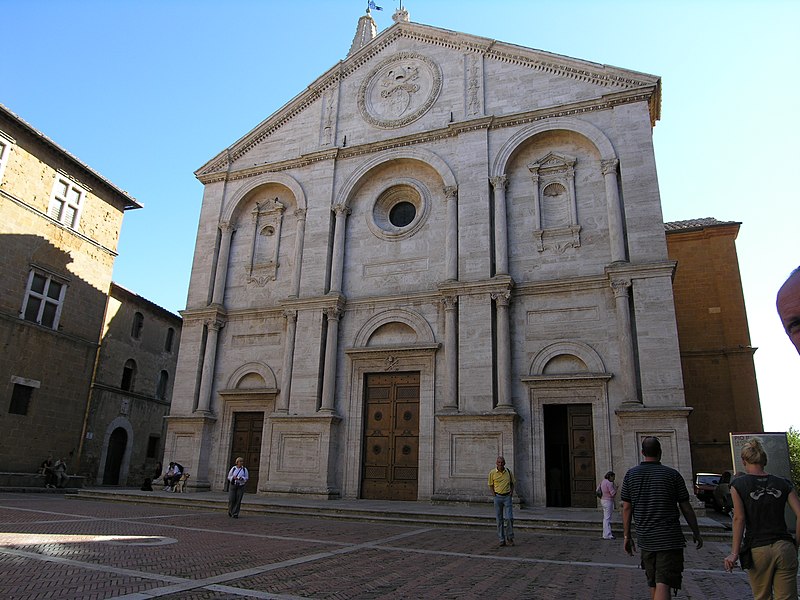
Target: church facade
point(445, 249)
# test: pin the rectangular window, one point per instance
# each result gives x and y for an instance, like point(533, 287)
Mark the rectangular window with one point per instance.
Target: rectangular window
point(66, 202)
point(44, 298)
point(5, 151)
point(152, 446)
point(20, 399)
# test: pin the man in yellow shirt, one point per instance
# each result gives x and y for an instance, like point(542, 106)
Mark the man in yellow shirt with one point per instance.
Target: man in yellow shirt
point(501, 482)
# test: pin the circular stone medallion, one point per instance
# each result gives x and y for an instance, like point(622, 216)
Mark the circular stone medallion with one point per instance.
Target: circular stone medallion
point(399, 90)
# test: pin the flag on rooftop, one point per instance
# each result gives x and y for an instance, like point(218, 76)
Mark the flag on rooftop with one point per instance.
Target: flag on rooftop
point(374, 6)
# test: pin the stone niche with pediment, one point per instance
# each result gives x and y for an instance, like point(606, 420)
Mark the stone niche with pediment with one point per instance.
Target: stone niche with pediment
point(555, 207)
point(267, 218)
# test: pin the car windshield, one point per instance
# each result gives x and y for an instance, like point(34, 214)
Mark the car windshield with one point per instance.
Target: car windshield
point(708, 479)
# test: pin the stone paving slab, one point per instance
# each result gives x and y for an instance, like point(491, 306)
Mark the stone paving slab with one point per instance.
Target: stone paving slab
point(51, 547)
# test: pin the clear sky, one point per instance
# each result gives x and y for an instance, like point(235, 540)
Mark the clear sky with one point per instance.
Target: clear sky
point(146, 92)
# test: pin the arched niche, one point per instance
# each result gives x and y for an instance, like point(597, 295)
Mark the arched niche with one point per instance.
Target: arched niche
point(240, 196)
point(587, 130)
point(419, 154)
point(247, 377)
point(388, 319)
point(557, 358)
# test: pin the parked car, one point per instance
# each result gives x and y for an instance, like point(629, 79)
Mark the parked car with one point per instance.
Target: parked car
point(704, 484)
point(722, 494)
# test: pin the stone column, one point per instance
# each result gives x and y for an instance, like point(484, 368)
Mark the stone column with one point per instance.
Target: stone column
point(288, 362)
point(337, 264)
point(451, 239)
point(616, 228)
point(209, 361)
point(500, 225)
point(627, 363)
point(451, 352)
point(299, 242)
point(218, 295)
point(502, 300)
point(331, 349)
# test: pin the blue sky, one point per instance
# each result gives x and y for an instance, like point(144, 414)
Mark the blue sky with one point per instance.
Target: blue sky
point(146, 92)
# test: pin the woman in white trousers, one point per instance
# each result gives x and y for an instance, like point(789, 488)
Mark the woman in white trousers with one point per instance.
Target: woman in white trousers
point(609, 490)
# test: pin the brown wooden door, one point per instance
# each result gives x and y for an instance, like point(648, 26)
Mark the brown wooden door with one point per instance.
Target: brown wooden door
point(247, 431)
point(581, 454)
point(391, 437)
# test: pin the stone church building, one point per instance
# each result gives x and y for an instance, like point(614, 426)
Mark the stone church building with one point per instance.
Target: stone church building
point(445, 248)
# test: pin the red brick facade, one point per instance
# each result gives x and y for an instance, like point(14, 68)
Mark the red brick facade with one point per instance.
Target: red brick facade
point(716, 356)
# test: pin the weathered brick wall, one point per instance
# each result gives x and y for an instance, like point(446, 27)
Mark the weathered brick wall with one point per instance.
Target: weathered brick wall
point(718, 370)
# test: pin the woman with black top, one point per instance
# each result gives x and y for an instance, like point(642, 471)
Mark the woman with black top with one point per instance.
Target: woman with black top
point(769, 553)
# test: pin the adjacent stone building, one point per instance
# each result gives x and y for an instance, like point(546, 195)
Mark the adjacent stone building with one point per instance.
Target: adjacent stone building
point(131, 390)
point(59, 227)
point(719, 375)
point(446, 248)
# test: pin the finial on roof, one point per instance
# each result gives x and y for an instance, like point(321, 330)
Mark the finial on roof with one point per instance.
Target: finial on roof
point(366, 31)
point(400, 15)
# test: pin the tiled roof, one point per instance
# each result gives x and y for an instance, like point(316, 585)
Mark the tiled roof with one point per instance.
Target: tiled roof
point(696, 224)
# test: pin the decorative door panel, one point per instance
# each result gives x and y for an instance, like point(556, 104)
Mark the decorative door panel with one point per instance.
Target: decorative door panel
point(391, 437)
point(579, 420)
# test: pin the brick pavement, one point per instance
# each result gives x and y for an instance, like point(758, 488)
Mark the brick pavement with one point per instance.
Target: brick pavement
point(52, 547)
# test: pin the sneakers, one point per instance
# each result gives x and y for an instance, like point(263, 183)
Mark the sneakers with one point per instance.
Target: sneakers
point(510, 541)
point(501, 544)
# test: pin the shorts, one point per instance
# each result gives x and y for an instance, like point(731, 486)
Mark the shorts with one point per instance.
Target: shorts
point(663, 566)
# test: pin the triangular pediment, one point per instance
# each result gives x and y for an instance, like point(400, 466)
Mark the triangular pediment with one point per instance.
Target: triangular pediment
point(412, 43)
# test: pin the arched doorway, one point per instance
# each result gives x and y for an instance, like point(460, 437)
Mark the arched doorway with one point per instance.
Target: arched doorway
point(117, 443)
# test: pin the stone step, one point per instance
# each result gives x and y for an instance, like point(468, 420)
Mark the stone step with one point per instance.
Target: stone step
point(568, 521)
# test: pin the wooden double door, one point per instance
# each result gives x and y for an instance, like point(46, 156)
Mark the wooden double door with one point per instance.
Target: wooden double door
point(391, 436)
point(569, 455)
point(248, 428)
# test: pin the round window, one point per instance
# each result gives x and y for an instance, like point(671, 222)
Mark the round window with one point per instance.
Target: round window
point(399, 210)
point(402, 214)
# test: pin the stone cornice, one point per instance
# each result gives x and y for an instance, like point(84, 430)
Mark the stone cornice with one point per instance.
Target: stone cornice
point(217, 172)
point(746, 350)
point(54, 223)
point(399, 350)
point(642, 271)
point(211, 312)
point(13, 318)
point(499, 284)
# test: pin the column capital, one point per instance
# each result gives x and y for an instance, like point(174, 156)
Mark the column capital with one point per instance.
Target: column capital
point(502, 298)
point(290, 315)
point(500, 181)
point(215, 324)
point(226, 227)
point(341, 210)
point(333, 313)
point(449, 302)
point(620, 287)
point(609, 165)
point(450, 192)
point(300, 214)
